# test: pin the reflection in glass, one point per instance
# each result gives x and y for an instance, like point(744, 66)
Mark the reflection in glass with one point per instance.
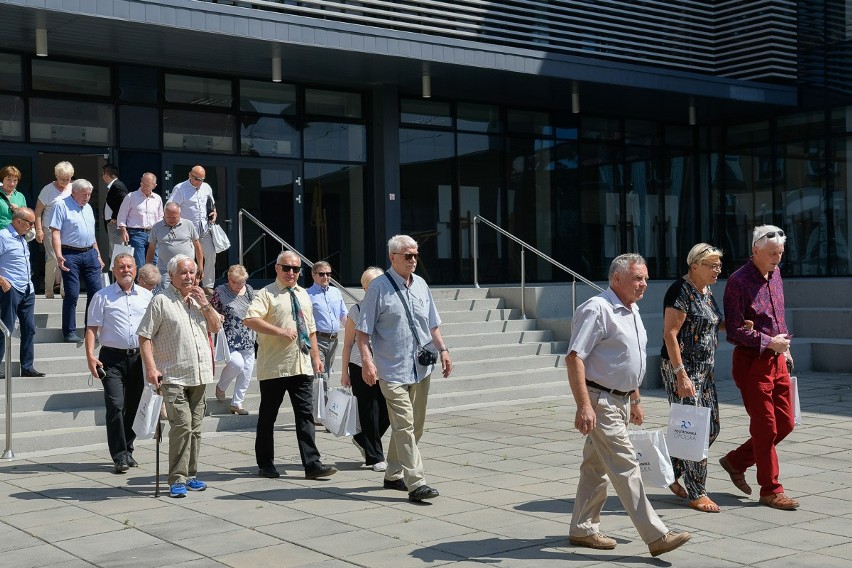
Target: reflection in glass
point(198, 131)
point(10, 72)
point(268, 98)
point(332, 141)
point(74, 122)
point(11, 118)
point(198, 91)
point(268, 137)
point(602, 216)
point(479, 118)
point(529, 202)
point(61, 77)
point(425, 113)
point(332, 103)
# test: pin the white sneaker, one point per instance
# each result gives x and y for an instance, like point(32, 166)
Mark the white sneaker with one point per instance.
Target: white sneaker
point(381, 466)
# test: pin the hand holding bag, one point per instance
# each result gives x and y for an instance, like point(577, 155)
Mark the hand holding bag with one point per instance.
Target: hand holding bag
point(221, 242)
point(318, 400)
point(148, 413)
point(653, 457)
point(341, 416)
point(688, 434)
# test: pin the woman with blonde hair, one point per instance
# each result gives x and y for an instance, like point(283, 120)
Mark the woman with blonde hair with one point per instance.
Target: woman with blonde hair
point(60, 188)
point(372, 408)
point(691, 322)
point(232, 300)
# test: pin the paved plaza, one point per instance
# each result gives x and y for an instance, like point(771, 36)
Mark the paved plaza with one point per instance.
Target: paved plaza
point(506, 474)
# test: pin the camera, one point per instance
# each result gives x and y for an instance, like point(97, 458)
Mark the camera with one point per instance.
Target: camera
point(426, 357)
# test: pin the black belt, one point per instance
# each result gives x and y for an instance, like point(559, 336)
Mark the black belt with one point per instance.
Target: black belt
point(79, 249)
point(595, 385)
point(138, 229)
point(118, 351)
point(327, 335)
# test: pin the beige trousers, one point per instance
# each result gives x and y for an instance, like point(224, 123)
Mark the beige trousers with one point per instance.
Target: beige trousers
point(52, 274)
point(609, 453)
point(185, 409)
point(407, 413)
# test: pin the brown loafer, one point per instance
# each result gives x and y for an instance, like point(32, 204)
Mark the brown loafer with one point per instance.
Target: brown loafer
point(737, 477)
point(779, 501)
point(594, 540)
point(668, 543)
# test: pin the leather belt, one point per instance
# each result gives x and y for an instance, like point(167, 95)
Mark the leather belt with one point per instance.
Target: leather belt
point(138, 229)
point(118, 351)
point(78, 249)
point(327, 335)
point(595, 385)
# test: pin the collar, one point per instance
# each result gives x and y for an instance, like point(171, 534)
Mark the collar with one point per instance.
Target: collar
point(616, 302)
point(757, 274)
point(283, 288)
point(406, 283)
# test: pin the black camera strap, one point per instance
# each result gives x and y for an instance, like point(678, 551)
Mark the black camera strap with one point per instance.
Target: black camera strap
point(407, 311)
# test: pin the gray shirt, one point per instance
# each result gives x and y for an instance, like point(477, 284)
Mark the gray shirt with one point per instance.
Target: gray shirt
point(172, 240)
point(383, 319)
point(610, 339)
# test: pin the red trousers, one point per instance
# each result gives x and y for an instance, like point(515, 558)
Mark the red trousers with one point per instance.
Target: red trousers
point(764, 383)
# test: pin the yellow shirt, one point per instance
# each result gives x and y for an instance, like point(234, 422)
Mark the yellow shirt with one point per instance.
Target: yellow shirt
point(279, 356)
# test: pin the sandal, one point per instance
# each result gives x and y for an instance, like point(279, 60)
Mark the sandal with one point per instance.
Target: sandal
point(737, 477)
point(779, 501)
point(705, 505)
point(678, 490)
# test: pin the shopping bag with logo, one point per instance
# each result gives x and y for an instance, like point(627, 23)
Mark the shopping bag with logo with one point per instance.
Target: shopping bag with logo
point(797, 406)
point(341, 413)
point(221, 242)
point(653, 457)
point(318, 399)
point(148, 413)
point(221, 351)
point(117, 250)
point(105, 279)
point(688, 434)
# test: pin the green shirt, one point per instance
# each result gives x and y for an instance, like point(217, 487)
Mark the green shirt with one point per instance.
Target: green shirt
point(5, 211)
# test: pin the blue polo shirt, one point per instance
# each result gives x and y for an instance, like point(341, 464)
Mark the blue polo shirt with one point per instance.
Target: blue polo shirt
point(329, 307)
point(76, 224)
point(15, 260)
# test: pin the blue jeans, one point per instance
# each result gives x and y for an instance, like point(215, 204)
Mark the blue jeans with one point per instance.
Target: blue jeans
point(18, 304)
point(139, 242)
point(82, 266)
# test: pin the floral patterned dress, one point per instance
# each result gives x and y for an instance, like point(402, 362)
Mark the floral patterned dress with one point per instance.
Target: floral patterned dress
point(698, 340)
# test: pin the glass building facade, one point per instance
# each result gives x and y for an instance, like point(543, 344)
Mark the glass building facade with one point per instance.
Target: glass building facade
point(584, 146)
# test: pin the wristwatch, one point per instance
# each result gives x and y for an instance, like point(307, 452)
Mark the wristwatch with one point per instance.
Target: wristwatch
point(442, 349)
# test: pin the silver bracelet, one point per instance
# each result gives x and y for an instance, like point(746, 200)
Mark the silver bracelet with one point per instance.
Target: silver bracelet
point(678, 369)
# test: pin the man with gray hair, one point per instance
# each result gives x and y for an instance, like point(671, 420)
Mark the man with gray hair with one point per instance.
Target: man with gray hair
point(761, 365)
point(400, 342)
point(72, 227)
point(172, 236)
point(149, 277)
point(173, 339)
point(329, 314)
point(606, 364)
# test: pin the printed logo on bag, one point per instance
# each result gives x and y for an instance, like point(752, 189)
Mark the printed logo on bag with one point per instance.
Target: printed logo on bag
point(685, 424)
point(686, 431)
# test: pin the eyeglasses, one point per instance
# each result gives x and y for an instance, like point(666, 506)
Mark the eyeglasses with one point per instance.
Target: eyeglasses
point(715, 267)
point(409, 255)
point(30, 223)
point(288, 268)
point(770, 235)
point(327, 274)
point(198, 179)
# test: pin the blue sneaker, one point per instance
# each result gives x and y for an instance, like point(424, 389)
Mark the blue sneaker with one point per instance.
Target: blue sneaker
point(194, 485)
point(177, 490)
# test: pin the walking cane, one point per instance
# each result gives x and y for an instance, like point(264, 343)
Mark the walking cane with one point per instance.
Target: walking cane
point(159, 437)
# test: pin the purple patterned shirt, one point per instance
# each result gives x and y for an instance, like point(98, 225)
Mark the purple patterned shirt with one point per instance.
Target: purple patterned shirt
point(750, 296)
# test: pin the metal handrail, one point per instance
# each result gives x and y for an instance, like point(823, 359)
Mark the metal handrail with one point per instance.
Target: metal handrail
point(524, 246)
point(8, 454)
point(284, 244)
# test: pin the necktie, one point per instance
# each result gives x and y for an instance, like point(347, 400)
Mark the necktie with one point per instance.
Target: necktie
point(301, 329)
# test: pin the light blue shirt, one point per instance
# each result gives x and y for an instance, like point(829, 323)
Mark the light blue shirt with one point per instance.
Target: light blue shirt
point(118, 314)
point(76, 224)
point(383, 319)
point(329, 308)
point(610, 339)
point(15, 260)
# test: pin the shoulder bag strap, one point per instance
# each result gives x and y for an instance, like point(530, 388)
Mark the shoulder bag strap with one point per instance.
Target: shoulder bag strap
point(405, 305)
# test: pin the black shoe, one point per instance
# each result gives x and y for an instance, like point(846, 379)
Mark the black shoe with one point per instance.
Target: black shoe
point(130, 461)
point(397, 484)
point(422, 492)
point(320, 471)
point(121, 465)
point(31, 373)
point(73, 338)
point(268, 471)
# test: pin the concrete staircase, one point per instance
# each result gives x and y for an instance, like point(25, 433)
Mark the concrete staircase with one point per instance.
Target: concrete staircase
point(497, 357)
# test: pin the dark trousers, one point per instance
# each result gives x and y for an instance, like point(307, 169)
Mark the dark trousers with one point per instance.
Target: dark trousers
point(373, 414)
point(82, 266)
point(18, 304)
point(123, 386)
point(271, 395)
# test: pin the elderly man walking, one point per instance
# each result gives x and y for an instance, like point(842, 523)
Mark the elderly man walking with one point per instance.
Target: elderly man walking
point(173, 338)
point(755, 293)
point(287, 358)
point(329, 314)
point(140, 210)
point(606, 363)
point(115, 313)
point(195, 198)
point(399, 318)
point(172, 236)
point(72, 227)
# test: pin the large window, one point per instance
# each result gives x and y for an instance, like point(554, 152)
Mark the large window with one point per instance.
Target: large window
point(60, 77)
point(71, 122)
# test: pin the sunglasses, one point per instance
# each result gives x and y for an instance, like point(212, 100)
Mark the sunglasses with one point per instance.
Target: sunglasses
point(198, 179)
point(716, 267)
point(770, 235)
point(323, 273)
point(288, 268)
point(409, 255)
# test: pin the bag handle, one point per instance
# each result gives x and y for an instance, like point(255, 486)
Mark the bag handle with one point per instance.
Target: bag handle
point(695, 398)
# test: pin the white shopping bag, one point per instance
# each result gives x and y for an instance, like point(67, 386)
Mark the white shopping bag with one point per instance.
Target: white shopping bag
point(105, 279)
point(688, 434)
point(221, 352)
point(653, 457)
point(341, 413)
point(148, 413)
point(797, 406)
point(221, 243)
point(117, 250)
point(318, 399)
